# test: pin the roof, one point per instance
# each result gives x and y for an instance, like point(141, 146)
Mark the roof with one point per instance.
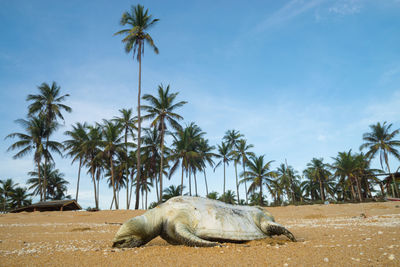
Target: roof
point(54, 205)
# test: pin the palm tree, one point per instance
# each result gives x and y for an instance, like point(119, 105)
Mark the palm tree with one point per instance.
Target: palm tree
point(228, 197)
point(20, 198)
point(185, 149)
point(161, 110)
point(56, 184)
point(225, 156)
point(172, 191)
point(212, 195)
point(206, 156)
point(255, 199)
point(48, 103)
point(258, 174)
point(91, 149)
point(310, 185)
point(127, 122)
point(288, 179)
point(30, 141)
point(7, 190)
point(138, 21)
point(318, 171)
point(112, 144)
point(74, 146)
point(151, 141)
point(381, 140)
point(347, 165)
point(244, 153)
point(232, 139)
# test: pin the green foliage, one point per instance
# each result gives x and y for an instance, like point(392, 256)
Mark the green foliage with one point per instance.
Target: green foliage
point(213, 195)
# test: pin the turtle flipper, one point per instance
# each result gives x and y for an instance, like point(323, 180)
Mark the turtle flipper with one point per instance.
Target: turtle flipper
point(272, 228)
point(186, 237)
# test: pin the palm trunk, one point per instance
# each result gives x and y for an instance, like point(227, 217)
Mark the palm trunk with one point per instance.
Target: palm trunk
point(190, 182)
point(94, 187)
point(224, 177)
point(395, 192)
point(139, 128)
point(237, 184)
point(131, 187)
point(321, 188)
point(40, 182)
point(112, 202)
point(352, 189)
point(181, 181)
point(158, 195)
point(79, 177)
point(360, 197)
point(45, 168)
point(113, 182)
point(142, 201)
point(382, 189)
point(205, 180)
point(245, 182)
point(146, 197)
point(261, 194)
point(98, 189)
point(162, 157)
point(195, 183)
point(126, 169)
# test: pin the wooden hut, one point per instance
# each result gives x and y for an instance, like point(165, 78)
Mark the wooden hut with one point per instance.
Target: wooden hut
point(54, 205)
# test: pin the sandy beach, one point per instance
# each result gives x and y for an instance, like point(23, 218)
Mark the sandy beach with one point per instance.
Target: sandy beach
point(329, 235)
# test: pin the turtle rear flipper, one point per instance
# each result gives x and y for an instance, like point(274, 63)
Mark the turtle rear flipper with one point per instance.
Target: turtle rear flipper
point(186, 237)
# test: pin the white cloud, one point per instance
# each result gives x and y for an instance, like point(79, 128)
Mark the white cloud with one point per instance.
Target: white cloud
point(288, 12)
point(346, 7)
point(387, 110)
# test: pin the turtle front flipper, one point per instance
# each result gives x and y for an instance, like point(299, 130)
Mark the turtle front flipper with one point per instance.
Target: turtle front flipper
point(186, 237)
point(272, 228)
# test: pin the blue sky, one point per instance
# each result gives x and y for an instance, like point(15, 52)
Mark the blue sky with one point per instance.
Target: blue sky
point(300, 79)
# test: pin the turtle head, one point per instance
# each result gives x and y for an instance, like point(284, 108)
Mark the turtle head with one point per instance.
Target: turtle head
point(129, 235)
point(127, 242)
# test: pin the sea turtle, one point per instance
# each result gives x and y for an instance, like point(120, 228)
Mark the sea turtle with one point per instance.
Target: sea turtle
point(196, 221)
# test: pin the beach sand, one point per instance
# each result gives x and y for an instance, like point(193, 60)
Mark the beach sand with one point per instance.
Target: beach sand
point(330, 235)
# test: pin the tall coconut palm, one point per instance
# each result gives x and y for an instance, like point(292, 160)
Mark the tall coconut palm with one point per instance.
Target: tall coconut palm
point(112, 144)
point(223, 153)
point(318, 171)
point(74, 147)
point(185, 149)
point(206, 156)
point(151, 142)
point(162, 110)
point(382, 140)
point(48, 103)
point(34, 140)
point(30, 141)
point(138, 21)
point(127, 122)
point(91, 148)
point(7, 188)
point(288, 180)
point(228, 197)
point(243, 153)
point(347, 164)
point(232, 139)
point(56, 184)
point(172, 191)
point(20, 198)
point(258, 174)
